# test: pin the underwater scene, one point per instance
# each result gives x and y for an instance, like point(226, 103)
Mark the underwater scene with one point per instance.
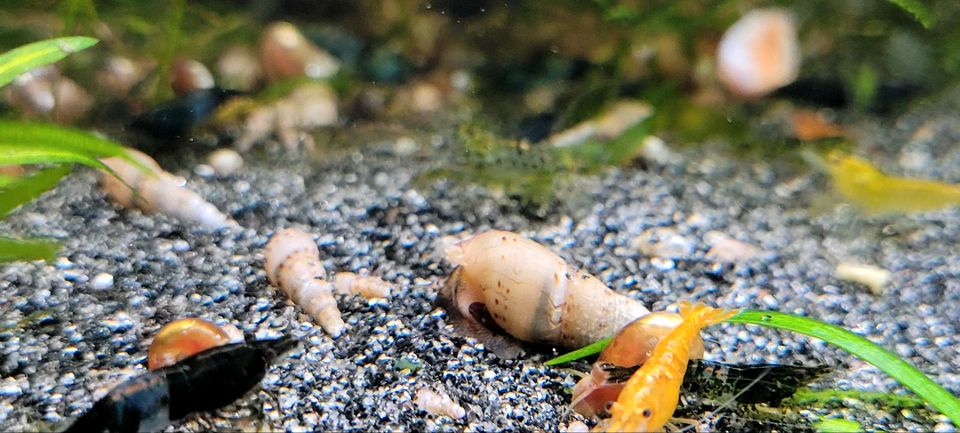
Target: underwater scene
point(475, 215)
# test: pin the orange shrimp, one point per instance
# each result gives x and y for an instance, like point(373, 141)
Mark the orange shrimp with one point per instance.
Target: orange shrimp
point(651, 395)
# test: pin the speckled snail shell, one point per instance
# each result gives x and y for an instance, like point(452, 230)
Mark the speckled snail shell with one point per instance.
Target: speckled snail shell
point(533, 294)
point(292, 262)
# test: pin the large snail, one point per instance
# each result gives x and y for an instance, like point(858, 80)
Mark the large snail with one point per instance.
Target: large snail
point(532, 293)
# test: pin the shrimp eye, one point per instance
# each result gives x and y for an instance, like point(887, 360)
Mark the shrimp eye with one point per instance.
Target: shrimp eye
point(608, 406)
point(647, 413)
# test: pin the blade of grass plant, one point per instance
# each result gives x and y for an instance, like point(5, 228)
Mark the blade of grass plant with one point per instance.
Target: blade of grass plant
point(7, 180)
point(27, 249)
point(864, 349)
point(906, 374)
point(18, 154)
point(24, 189)
point(835, 425)
point(56, 137)
point(919, 11)
point(27, 57)
point(582, 352)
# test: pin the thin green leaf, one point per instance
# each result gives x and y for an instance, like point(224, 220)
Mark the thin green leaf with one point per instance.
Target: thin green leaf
point(27, 249)
point(834, 425)
point(582, 352)
point(27, 57)
point(854, 344)
point(7, 180)
point(56, 137)
point(919, 11)
point(24, 189)
point(864, 349)
point(16, 154)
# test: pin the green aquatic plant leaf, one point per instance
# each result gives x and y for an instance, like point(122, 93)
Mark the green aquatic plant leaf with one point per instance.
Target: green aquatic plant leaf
point(908, 375)
point(582, 352)
point(43, 135)
point(883, 359)
point(919, 11)
point(21, 154)
point(835, 425)
point(22, 190)
point(27, 249)
point(826, 397)
point(27, 57)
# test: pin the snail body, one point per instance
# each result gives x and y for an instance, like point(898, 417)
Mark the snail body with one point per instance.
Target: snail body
point(159, 191)
point(292, 262)
point(533, 294)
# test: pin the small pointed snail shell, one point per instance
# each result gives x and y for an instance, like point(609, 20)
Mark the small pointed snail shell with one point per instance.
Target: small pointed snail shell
point(292, 262)
point(159, 191)
point(533, 294)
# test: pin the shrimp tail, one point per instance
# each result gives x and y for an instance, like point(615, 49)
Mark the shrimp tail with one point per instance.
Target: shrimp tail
point(706, 314)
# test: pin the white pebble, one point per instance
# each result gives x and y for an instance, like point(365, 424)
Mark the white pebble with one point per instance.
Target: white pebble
point(225, 161)
point(102, 281)
point(876, 279)
point(438, 404)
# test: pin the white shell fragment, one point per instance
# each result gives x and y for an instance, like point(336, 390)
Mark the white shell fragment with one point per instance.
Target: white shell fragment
point(225, 161)
point(725, 249)
point(614, 121)
point(759, 53)
point(292, 262)
point(438, 404)
point(875, 278)
point(159, 191)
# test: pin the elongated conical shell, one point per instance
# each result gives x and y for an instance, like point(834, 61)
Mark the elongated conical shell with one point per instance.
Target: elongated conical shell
point(534, 295)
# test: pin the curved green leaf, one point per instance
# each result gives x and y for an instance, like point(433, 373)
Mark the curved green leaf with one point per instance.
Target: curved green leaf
point(27, 249)
point(18, 154)
point(22, 190)
point(46, 135)
point(27, 57)
point(886, 361)
point(919, 11)
point(889, 363)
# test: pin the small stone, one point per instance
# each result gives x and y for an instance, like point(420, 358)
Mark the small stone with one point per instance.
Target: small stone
point(726, 249)
point(101, 281)
point(663, 242)
point(875, 278)
point(225, 161)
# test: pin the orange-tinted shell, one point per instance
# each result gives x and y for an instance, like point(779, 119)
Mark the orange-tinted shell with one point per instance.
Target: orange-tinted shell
point(631, 346)
point(634, 343)
point(182, 338)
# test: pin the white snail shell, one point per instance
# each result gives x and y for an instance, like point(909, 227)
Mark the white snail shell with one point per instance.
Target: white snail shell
point(159, 191)
point(533, 294)
point(292, 262)
point(759, 53)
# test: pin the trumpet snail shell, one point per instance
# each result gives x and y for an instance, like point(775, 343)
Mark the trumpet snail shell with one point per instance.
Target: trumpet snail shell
point(292, 262)
point(159, 191)
point(533, 294)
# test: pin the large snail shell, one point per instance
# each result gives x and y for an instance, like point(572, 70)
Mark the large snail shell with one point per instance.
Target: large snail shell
point(534, 295)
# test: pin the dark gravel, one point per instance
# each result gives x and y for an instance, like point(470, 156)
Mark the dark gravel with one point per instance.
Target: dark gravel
point(65, 341)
